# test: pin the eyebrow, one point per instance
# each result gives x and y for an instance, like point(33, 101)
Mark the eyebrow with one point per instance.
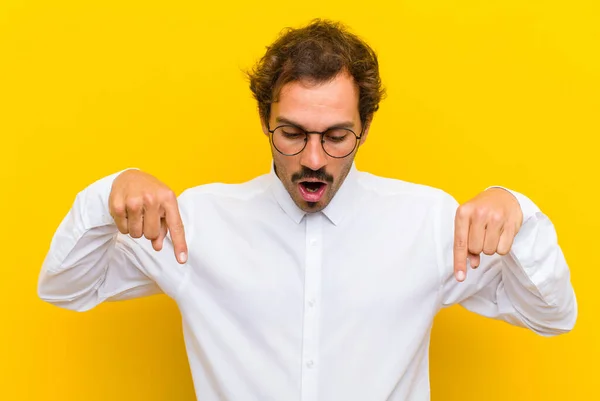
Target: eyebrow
point(344, 124)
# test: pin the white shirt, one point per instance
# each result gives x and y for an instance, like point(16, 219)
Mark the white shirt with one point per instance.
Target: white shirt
point(282, 305)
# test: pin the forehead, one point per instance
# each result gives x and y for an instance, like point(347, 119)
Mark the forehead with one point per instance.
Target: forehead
point(318, 105)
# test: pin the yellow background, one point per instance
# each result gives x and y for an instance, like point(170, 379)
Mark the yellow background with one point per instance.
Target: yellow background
point(481, 93)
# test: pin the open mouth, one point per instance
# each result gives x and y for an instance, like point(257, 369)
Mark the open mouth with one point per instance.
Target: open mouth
point(312, 191)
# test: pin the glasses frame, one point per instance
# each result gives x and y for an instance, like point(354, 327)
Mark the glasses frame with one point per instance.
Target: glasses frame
point(307, 133)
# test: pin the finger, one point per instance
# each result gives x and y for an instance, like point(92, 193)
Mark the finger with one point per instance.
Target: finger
point(151, 218)
point(506, 239)
point(175, 226)
point(118, 211)
point(461, 237)
point(492, 234)
point(477, 232)
point(135, 221)
point(157, 243)
point(474, 260)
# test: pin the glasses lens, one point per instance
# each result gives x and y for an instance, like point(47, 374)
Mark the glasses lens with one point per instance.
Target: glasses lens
point(289, 140)
point(339, 142)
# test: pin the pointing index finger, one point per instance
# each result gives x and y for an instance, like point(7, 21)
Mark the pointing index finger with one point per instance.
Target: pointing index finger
point(175, 226)
point(461, 240)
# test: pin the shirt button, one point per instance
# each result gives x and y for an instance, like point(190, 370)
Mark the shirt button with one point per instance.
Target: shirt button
point(313, 242)
point(310, 364)
point(311, 303)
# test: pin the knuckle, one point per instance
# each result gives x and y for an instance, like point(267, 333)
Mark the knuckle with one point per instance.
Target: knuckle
point(119, 209)
point(149, 198)
point(504, 248)
point(135, 234)
point(496, 217)
point(481, 212)
point(460, 243)
point(489, 250)
point(463, 210)
point(167, 195)
point(502, 251)
point(475, 248)
point(134, 205)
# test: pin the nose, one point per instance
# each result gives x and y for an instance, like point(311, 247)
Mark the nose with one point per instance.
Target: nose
point(313, 156)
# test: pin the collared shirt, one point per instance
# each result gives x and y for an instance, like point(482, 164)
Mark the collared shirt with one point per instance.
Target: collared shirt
point(280, 305)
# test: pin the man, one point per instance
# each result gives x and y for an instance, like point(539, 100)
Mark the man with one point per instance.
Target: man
point(315, 281)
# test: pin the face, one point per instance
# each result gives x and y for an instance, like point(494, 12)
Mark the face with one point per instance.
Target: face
point(312, 177)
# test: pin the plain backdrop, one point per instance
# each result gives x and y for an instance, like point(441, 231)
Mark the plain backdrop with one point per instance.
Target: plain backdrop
point(480, 93)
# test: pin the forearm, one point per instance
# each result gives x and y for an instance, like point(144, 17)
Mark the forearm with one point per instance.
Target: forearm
point(77, 261)
point(71, 274)
point(88, 259)
point(536, 281)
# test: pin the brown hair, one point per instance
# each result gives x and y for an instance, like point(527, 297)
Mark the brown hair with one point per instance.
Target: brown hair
point(317, 52)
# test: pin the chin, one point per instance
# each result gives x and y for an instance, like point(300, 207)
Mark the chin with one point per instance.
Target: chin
point(311, 207)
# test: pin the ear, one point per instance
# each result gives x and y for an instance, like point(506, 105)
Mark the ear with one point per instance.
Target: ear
point(363, 137)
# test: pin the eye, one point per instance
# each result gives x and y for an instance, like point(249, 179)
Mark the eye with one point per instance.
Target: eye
point(337, 135)
point(292, 132)
point(291, 135)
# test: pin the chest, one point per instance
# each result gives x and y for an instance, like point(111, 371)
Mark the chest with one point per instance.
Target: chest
point(272, 272)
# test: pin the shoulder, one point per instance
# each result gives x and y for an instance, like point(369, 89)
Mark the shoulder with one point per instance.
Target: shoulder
point(222, 192)
point(206, 205)
point(397, 189)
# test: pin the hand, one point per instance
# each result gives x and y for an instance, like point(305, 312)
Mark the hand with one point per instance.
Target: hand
point(488, 223)
point(142, 205)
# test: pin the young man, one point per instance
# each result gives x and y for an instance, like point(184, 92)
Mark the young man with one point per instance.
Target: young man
point(315, 281)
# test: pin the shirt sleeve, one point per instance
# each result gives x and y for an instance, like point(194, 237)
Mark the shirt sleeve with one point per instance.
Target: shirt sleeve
point(89, 261)
point(529, 287)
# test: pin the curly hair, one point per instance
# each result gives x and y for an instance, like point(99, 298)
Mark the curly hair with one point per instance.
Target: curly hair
point(317, 52)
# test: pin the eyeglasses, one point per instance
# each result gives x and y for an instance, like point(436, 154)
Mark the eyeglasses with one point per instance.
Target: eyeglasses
point(289, 140)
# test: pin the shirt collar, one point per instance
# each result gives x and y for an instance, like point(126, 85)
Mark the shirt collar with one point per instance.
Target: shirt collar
point(340, 206)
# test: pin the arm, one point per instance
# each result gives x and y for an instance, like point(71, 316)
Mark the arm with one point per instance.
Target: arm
point(527, 285)
point(90, 261)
